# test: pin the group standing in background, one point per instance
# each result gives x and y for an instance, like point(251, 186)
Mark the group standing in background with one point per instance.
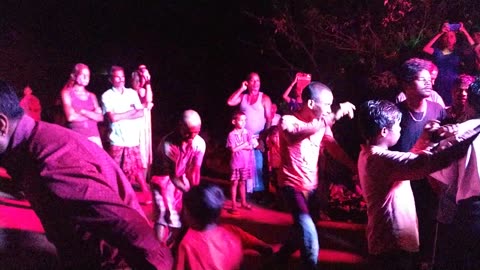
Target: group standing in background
point(78, 192)
point(86, 201)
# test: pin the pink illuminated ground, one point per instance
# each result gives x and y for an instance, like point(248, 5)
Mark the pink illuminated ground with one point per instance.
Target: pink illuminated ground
point(23, 245)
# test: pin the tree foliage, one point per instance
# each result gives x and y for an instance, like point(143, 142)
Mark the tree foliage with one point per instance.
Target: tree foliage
point(373, 35)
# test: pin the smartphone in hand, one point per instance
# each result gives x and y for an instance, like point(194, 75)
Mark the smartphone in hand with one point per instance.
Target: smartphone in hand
point(454, 26)
point(303, 79)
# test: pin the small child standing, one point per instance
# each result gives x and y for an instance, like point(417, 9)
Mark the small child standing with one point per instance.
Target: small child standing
point(241, 144)
point(273, 157)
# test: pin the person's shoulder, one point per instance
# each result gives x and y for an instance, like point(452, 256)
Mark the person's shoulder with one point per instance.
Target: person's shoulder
point(437, 108)
point(266, 98)
point(90, 93)
point(431, 103)
point(199, 142)
point(129, 90)
point(108, 93)
point(435, 95)
point(288, 119)
point(437, 52)
point(66, 91)
point(231, 134)
point(190, 236)
point(247, 132)
point(169, 138)
point(230, 230)
point(55, 134)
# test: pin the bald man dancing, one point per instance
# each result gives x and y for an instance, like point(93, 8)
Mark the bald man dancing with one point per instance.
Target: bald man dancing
point(176, 167)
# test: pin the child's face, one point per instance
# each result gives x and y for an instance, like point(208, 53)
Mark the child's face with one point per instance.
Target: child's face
point(393, 134)
point(275, 137)
point(240, 121)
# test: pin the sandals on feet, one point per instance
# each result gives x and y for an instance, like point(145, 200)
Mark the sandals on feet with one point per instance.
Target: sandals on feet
point(247, 207)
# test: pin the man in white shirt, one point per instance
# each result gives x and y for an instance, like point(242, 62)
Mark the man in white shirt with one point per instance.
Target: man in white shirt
point(124, 110)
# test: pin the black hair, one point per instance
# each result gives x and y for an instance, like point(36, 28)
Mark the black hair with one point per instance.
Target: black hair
point(373, 115)
point(463, 79)
point(250, 75)
point(204, 204)
point(237, 114)
point(9, 103)
point(113, 69)
point(473, 95)
point(409, 70)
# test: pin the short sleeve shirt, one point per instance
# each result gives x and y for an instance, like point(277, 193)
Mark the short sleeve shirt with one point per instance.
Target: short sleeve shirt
point(173, 156)
point(125, 133)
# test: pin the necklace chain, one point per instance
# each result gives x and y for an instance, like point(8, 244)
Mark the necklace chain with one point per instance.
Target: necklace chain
point(418, 120)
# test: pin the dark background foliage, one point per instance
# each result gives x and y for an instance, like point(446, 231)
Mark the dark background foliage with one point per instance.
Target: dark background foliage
point(199, 51)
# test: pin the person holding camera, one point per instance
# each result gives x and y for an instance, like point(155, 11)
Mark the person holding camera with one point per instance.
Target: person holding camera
point(447, 57)
point(294, 102)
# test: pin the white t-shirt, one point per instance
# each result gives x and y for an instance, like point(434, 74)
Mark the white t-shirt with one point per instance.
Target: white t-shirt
point(125, 133)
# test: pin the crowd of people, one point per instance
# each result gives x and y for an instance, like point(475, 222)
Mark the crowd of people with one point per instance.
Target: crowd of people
point(417, 169)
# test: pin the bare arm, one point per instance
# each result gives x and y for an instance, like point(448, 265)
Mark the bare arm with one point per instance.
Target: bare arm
point(288, 90)
point(95, 115)
point(149, 94)
point(429, 47)
point(195, 176)
point(132, 114)
point(466, 34)
point(236, 97)
point(295, 132)
point(338, 153)
point(267, 105)
point(477, 52)
point(452, 148)
point(242, 146)
point(70, 113)
point(346, 108)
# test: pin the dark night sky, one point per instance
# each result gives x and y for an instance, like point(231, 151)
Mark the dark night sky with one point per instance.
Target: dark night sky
point(197, 51)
